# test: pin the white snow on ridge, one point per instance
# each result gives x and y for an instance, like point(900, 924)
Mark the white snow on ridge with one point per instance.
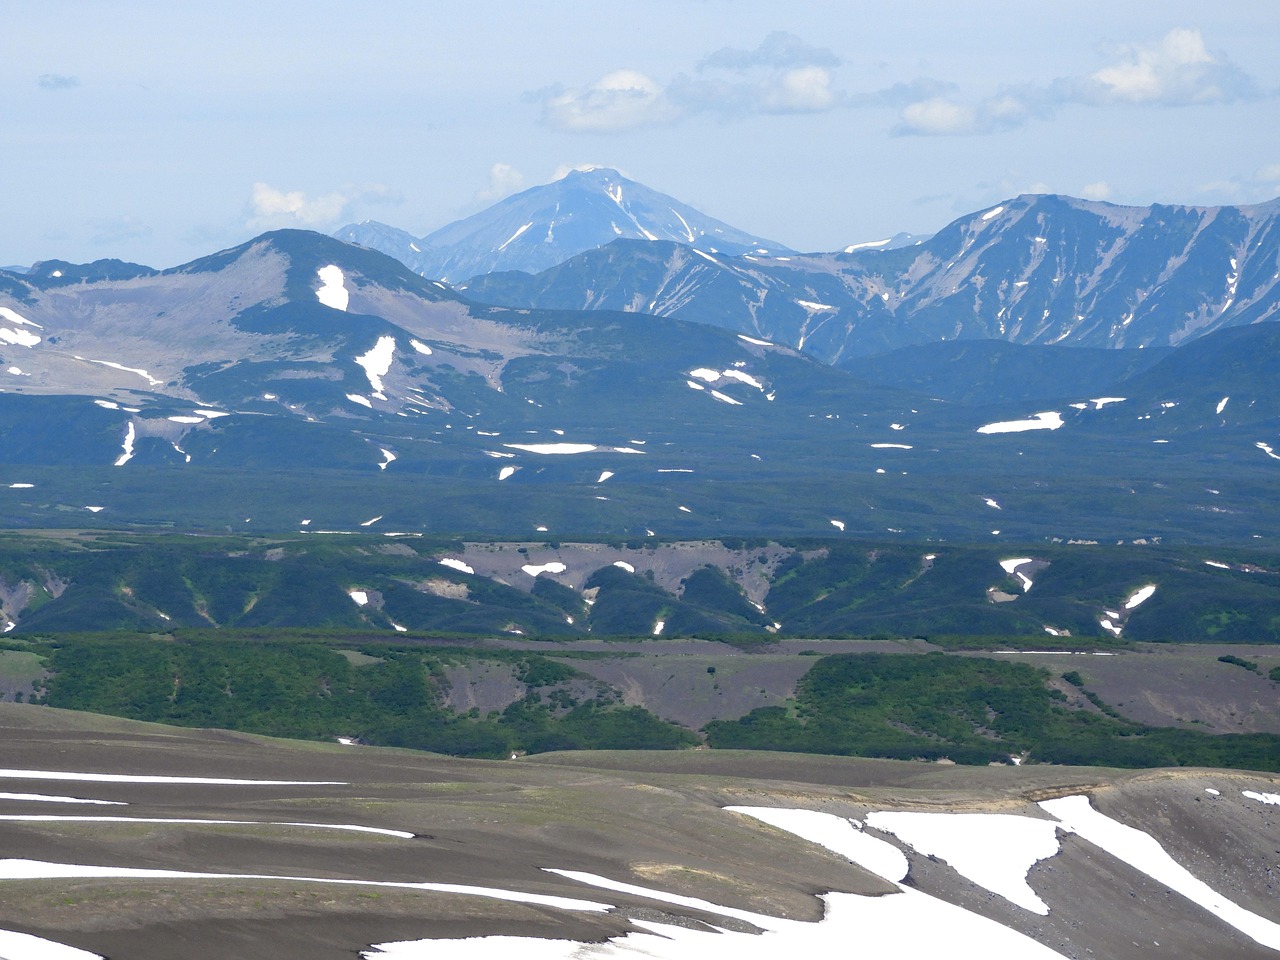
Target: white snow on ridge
point(127, 446)
point(333, 290)
point(623, 565)
point(509, 239)
point(116, 366)
point(20, 338)
point(14, 774)
point(758, 343)
point(26, 946)
point(421, 347)
point(363, 401)
point(1222, 405)
point(387, 457)
point(14, 317)
point(867, 245)
point(43, 798)
point(1140, 596)
point(1100, 402)
point(815, 307)
point(993, 212)
point(377, 362)
point(43, 870)
point(993, 850)
point(506, 472)
point(359, 596)
point(553, 449)
point(994, 506)
point(890, 446)
point(838, 524)
point(1049, 420)
point(52, 818)
point(534, 569)
point(1269, 798)
point(725, 398)
point(1143, 852)
point(1267, 449)
point(453, 564)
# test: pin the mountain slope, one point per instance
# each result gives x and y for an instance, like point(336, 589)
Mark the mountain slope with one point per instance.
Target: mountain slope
point(547, 224)
point(298, 378)
point(1033, 270)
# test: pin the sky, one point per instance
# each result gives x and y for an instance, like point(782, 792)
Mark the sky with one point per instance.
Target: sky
point(158, 132)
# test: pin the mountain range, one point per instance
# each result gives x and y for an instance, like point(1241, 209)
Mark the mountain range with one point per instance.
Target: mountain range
point(1042, 269)
point(302, 366)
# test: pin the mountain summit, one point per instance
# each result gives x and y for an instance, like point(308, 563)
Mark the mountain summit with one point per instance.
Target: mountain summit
point(546, 225)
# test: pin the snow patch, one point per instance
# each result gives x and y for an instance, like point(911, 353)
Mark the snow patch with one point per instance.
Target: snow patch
point(623, 565)
point(363, 401)
point(1049, 420)
point(421, 347)
point(1140, 596)
point(993, 850)
point(838, 524)
point(453, 564)
point(377, 362)
point(534, 569)
point(994, 212)
point(127, 446)
point(333, 290)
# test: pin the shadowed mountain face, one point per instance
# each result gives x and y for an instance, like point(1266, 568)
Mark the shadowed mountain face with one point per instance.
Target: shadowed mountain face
point(548, 224)
point(1047, 270)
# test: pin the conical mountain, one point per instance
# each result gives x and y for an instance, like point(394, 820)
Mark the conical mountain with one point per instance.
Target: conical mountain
point(546, 225)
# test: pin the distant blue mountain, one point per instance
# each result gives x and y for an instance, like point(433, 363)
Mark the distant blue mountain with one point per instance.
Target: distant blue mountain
point(548, 224)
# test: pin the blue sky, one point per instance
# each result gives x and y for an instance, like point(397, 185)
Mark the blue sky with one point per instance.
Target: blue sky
point(153, 132)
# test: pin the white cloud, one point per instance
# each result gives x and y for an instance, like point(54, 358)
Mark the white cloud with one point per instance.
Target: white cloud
point(1268, 174)
point(782, 75)
point(504, 180)
point(270, 208)
point(938, 116)
point(620, 100)
point(1099, 190)
point(1177, 70)
point(802, 90)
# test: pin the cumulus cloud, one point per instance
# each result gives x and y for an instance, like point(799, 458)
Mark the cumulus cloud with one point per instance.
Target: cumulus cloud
point(621, 100)
point(504, 180)
point(779, 50)
point(1098, 190)
point(57, 81)
point(782, 75)
point(1177, 70)
point(802, 90)
point(271, 208)
point(938, 116)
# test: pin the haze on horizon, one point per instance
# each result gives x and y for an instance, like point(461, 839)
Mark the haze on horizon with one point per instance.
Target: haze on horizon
point(158, 134)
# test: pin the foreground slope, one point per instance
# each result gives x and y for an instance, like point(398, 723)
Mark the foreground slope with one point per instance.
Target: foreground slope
point(312, 851)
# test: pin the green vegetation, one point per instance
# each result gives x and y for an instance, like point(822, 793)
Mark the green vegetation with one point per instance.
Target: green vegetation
point(1240, 662)
point(308, 690)
point(969, 710)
